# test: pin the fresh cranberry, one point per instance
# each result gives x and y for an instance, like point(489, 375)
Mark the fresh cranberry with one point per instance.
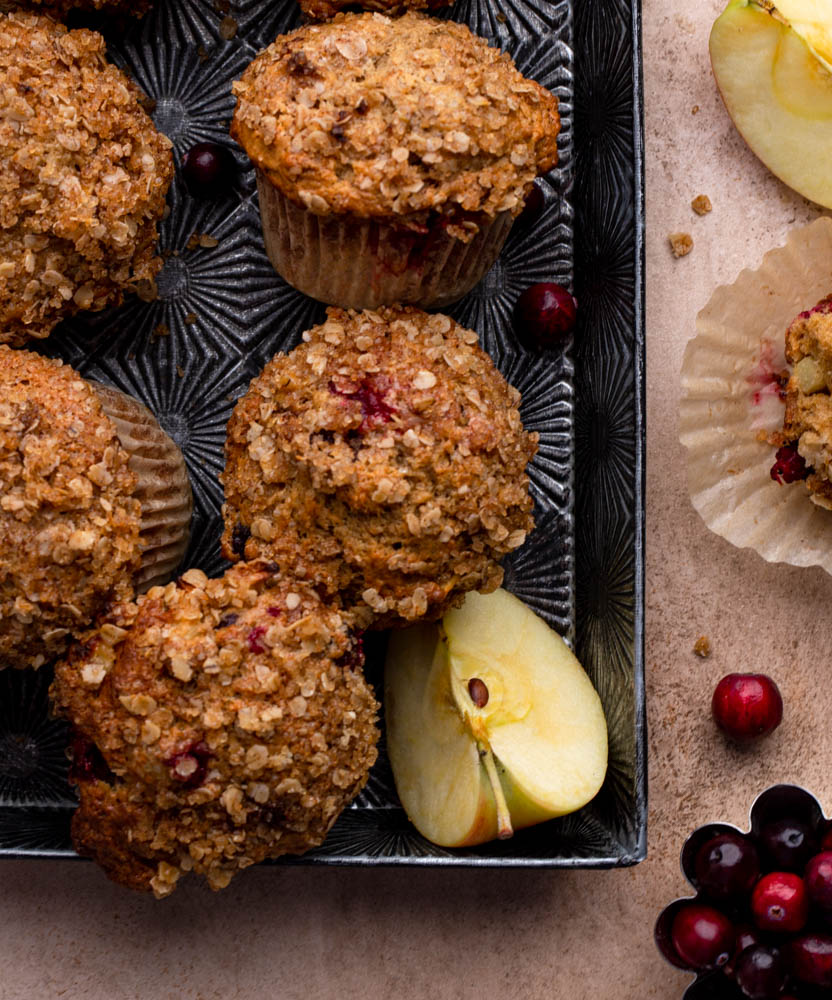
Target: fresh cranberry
point(370, 394)
point(747, 707)
point(761, 972)
point(746, 937)
point(788, 843)
point(254, 637)
point(826, 842)
point(209, 170)
point(811, 959)
point(780, 902)
point(532, 208)
point(190, 765)
point(727, 865)
point(702, 936)
point(88, 762)
point(818, 878)
point(544, 316)
point(789, 466)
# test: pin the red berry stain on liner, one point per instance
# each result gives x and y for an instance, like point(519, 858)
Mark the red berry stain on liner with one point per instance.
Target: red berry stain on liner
point(190, 765)
point(789, 466)
point(766, 379)
point(369, 393)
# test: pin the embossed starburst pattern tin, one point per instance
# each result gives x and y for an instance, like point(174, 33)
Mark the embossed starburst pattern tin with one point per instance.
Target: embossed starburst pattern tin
point(222, 312)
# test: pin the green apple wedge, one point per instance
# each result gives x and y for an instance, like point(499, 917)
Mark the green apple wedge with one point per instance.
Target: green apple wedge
point(492, 724)
point(778, 93)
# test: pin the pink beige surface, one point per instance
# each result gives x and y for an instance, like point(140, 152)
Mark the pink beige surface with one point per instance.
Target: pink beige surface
point(315, 934)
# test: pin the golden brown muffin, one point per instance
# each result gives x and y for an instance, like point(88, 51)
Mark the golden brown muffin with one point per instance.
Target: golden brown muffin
point(384, 460)
point(58, 9)
point(218, 723)
point(808, 419)
point(84, 178)
point(325, 10)
point(69, 522)
point(94, 501)
point(384, 149)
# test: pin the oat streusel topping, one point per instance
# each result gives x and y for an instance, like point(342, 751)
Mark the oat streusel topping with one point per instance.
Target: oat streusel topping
point(69, 526)
point(384, 459)
point(325, 10)
point(808, 418)
point(395, 118)
point(84, 177)
point(218, 723)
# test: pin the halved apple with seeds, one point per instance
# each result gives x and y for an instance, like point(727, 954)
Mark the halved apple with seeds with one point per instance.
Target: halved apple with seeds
point(492, 724)
point(771, 67)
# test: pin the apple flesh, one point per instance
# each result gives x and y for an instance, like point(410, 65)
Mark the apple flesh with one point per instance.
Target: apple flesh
point(778, 93)
point(492, 724)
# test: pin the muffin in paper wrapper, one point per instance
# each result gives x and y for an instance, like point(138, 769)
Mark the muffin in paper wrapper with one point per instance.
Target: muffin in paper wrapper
point(163, 487)
point(731, 399)
point(359, 263)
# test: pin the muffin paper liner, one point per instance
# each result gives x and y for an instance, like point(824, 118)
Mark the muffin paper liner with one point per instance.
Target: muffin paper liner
point(363, 263)
point(730, 393)
point(163, 487)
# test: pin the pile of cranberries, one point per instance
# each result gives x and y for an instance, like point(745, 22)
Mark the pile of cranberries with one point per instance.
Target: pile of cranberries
point(760, 926)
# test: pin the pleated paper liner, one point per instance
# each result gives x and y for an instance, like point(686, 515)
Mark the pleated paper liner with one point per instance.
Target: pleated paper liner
point(730, 393)
point(163, 487)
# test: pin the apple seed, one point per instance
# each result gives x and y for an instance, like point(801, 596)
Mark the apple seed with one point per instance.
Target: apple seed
point(478, 691)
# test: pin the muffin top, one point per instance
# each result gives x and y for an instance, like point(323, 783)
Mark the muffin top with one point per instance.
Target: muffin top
point(384, 118)
point(383, 458)
point(84, 177)
point(69, 525)
point(323, 10)
point(808, 418)
point(218, 722)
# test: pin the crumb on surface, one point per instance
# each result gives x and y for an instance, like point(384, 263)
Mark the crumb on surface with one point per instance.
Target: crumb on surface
point(681, 244)
point(701, 204)
point(695, 109)
point(228, 28)
point(702, 647)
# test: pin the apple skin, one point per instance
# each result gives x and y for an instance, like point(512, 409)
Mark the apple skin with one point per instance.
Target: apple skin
point(778, 94)
point(542, 732)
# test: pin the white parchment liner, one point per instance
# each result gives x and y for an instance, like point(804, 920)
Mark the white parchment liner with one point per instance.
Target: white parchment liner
point(727, 399)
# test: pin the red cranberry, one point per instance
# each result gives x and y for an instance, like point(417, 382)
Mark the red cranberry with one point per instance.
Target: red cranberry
point(818, 879)
point(190, 765)
point(780, 903)
point(532, 208)
point(702, 936)
point(370, 394)
point(727, 865)
point(788, 843)
point(761, 972)
point(88, 762)
point(811, 959)
point(544, 316)
point(789, 466)
point(826, 842)
point(747, 707)
point(746, 937)
point(209, 170)
point(254, 637)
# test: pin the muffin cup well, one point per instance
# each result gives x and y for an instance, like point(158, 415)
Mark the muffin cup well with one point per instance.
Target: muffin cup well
point(163, 488)
point(731, 400)
point(363, 263)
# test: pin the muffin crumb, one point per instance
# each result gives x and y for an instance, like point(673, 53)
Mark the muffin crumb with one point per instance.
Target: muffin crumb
point(681, 244)
point(702, 647)
point(701, 204)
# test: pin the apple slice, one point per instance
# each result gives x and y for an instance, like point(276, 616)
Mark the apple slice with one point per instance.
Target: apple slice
point(778, 94)
point(492, 724)
point(812, 20)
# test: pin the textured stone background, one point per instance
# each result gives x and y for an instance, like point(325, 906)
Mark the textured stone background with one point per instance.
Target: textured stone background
point(318, 933)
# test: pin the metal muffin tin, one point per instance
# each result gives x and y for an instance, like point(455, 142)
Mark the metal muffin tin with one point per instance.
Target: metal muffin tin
point(222, 312)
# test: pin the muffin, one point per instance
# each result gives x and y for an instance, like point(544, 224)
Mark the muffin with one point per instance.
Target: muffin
point(94, 501)
point(84, 178)
point(324, 10)
point(383, 460)
point(391, 156)
point(806, 439)
point(217, 723)
point(59, 9)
